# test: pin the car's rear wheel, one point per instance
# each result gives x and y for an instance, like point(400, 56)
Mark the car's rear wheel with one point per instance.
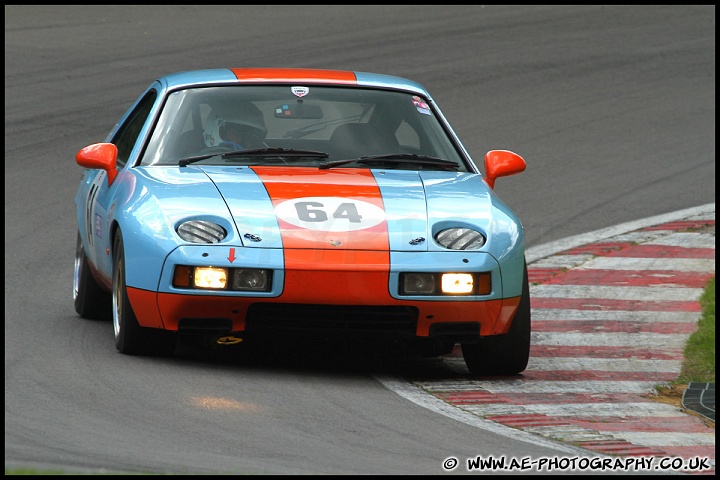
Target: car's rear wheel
point(130, 337)
point(506, 354)
point(91, 301)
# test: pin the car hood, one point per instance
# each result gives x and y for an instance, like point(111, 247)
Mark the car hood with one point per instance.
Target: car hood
point(342, 208)
point(355, 209)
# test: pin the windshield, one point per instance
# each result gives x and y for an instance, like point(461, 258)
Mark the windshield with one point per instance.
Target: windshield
point(309, 126)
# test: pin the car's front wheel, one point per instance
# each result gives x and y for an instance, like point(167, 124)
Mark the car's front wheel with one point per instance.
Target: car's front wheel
point(506, 354)
point(91, 301)
point(130, 337)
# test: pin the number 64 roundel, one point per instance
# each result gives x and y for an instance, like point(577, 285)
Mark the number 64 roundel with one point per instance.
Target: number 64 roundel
point(331, 214)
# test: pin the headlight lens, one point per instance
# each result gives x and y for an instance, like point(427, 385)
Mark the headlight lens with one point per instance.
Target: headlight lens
point(250, 279)
point(445, 283)
point(418, 283)
point(201, 231)
point(460, 238)
point(458, 283)
point(209, 277)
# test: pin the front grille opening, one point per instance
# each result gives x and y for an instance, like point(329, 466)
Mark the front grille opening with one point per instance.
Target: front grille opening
point(205, 326)
point(389, 320)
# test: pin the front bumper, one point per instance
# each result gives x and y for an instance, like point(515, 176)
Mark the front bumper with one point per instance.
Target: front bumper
point(330, 290)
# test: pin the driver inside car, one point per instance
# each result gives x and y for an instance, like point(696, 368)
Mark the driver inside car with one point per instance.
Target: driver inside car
point(236, 127)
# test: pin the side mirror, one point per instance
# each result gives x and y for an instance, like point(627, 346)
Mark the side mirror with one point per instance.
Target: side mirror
point(101, 156)
point(501, 163)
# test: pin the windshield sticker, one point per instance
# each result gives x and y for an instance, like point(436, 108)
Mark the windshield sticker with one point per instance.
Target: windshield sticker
point(300, 91)
point(421, 106)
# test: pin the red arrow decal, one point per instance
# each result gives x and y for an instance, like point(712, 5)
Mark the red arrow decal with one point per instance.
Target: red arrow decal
point(232, 255)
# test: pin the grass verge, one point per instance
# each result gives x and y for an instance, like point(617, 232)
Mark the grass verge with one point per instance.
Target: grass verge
point(699, 362)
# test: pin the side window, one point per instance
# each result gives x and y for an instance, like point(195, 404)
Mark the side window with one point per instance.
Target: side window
point(127, 135)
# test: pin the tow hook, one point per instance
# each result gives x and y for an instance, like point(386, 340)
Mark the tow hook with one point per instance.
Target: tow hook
point(229, 340)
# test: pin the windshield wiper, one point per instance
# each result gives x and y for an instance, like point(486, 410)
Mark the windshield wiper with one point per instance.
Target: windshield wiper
point(257, 152)
point(187, 161)
point(396, 158)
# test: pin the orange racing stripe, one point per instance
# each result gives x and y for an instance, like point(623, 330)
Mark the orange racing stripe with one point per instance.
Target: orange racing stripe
point(292, 183)
point(295, 75)
point(314, 257)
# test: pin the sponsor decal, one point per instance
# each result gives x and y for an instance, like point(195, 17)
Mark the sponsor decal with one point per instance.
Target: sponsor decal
point(300, 91)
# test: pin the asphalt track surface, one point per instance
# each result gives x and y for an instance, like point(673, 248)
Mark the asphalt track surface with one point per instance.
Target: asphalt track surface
point(612, 107)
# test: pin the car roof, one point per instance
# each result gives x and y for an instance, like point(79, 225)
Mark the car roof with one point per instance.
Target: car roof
point(305, 76)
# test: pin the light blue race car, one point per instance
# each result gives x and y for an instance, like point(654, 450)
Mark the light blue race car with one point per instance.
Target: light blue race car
point(234, 204)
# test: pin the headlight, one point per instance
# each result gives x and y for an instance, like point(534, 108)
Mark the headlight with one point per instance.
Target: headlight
point(459, 283)
point(439, 283)
point(218, 278)
point(460, 239)
point(201, 231)
point(209, 277)
point(418, 283)
point(250, 279)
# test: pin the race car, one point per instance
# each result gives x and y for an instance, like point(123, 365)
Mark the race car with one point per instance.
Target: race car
point(237, 203)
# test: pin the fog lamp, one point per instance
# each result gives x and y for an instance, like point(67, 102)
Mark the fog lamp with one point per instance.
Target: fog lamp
point(210, 277)
point(250, 279)
point(454, 283)
point(418, 283)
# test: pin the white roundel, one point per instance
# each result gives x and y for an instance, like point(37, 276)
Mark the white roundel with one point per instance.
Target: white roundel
point(330, 214)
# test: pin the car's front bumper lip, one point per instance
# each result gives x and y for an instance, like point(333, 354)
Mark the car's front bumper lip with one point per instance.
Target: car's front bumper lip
point(164, 310)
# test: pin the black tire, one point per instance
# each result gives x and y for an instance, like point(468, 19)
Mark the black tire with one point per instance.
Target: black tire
point(130, 337)
point(91, 301)
point(506, 354)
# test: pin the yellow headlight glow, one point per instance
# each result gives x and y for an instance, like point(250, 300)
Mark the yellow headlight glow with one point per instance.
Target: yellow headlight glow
point(457, 283)
point(210, 277)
